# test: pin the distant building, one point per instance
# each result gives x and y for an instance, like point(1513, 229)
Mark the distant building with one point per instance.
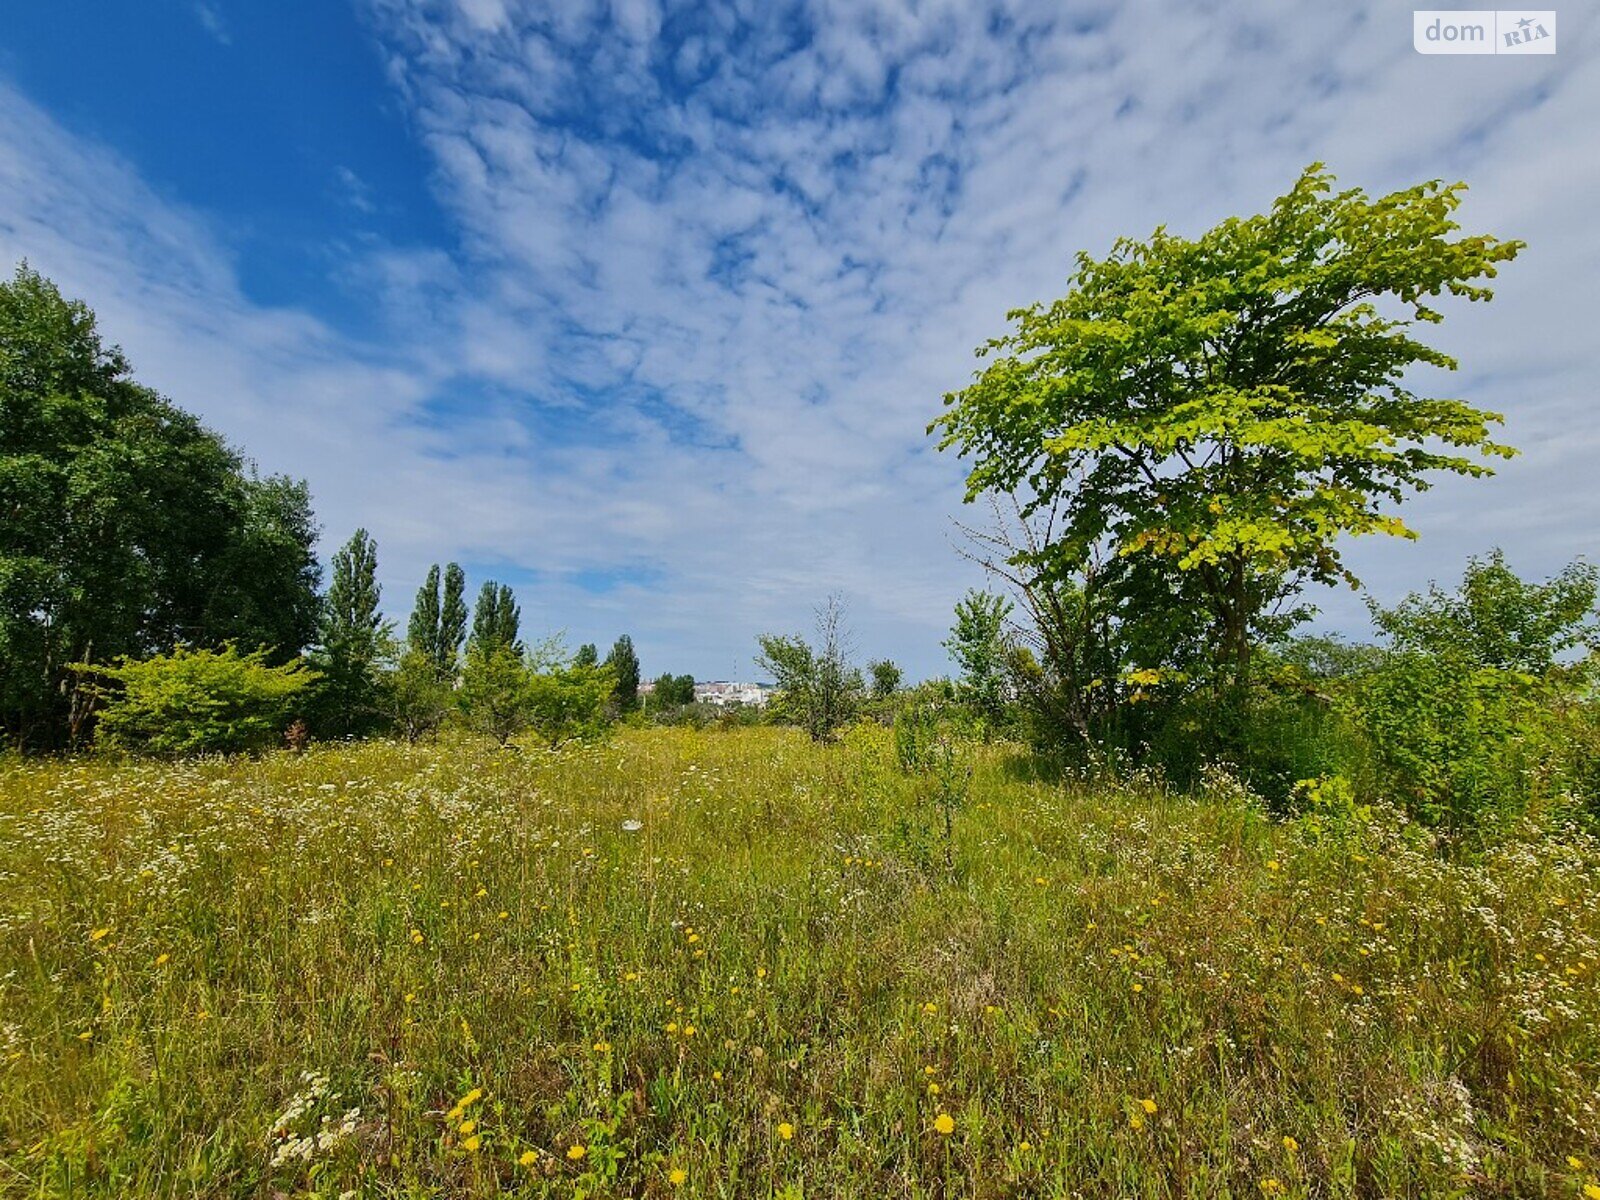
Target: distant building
point(722, 691)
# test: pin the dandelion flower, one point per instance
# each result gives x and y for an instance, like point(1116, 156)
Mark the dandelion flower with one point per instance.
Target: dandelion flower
point(1290, 1144)
point(528, 1158)
point(472, 1143)
point(945, 1124)
point(162, 959)
point(576, 1151)
point(467, 1127)
point(99, 933)
point(1575, 1163)
point(1148, 1105)
point(785, 1130)
point(677, 1176)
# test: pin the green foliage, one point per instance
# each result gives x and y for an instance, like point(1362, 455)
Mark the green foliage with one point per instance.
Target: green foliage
point(567, 701)
point(198, 702)
point(981, 649)
point(415, 699)
point(493, 696)
point(1497, 620)
point(671, 691)
point(1223, 411)
point(452, 628)
point(1436, 723)
point(422, 630)
point(624, 664)
point(128, 526)
point(496, 621)
point(439, 620)
point(1473, 712)
point(504, 693)
point(886, 678)
point(1453, 741)
point(818, 689)
point(353, 639)
point(588, 655)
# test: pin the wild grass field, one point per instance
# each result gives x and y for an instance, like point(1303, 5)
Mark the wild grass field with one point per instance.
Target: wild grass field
point(735, 964)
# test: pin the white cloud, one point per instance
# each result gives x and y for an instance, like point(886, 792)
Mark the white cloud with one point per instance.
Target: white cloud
point(718, 265)
point(211, 20)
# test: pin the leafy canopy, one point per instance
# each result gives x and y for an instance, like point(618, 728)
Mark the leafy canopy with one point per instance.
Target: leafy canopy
point(198, 701)
point(1228, 407)
point(127, 525)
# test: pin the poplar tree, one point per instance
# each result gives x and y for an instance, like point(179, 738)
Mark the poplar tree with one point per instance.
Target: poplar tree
point(422, 631)
point(353, 638)
point(452, 620)
point(496, 621)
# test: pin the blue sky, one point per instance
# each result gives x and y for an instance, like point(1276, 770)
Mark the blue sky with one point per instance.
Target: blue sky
point(643, 307)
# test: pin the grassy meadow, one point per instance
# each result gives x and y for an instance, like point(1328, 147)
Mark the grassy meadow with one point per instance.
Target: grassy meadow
point(730, 963)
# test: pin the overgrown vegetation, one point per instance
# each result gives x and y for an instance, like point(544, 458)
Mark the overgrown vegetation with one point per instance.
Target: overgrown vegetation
point(714, 964)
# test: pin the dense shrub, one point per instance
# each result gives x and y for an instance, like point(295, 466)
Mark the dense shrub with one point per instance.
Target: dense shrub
point(504, 692)
point(198, 702)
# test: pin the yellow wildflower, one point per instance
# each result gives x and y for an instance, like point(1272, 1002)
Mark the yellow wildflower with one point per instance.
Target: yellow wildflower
point(785, 1130)
point(576, 1151)
point(945, 1124)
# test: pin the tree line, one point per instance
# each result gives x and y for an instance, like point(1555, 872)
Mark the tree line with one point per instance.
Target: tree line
point(1174, 453)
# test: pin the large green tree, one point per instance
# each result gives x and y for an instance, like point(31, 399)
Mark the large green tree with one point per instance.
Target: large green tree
point(1222, 411)
point(126, 526)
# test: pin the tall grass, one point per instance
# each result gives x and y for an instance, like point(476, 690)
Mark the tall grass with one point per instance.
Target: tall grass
point(733, 964)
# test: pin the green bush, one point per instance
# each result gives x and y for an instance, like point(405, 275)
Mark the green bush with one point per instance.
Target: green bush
point(1479, 708)
point(198, 702)
point(504, 692)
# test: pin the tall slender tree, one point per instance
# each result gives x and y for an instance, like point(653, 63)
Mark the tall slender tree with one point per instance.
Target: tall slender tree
point(422, 631)
point(496, 622)
point(452, 619)
point(353, 636)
